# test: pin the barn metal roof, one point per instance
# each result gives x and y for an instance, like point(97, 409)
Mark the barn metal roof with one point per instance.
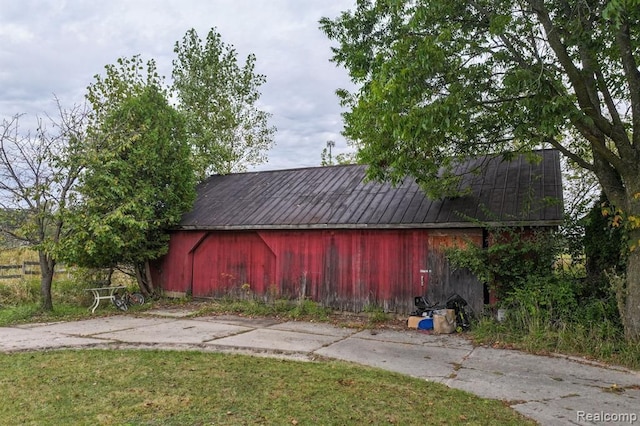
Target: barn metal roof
point(515, 192)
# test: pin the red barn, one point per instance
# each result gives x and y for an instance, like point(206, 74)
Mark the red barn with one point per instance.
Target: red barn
point(328, 234)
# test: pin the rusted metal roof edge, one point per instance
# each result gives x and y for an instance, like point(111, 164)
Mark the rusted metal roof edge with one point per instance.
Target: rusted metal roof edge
point(503, 224)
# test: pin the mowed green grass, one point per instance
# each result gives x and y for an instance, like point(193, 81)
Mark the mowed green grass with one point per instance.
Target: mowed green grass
point(142, 387)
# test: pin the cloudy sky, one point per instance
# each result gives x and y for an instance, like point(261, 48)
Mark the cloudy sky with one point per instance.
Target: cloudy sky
point(54, 48)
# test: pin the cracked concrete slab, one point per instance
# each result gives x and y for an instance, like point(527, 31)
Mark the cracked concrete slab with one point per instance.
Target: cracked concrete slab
point(569, 409)
point(170, 312)
point(313, 328)
point(101, 325)
point(531, 377)
point(243, 321)
point(550, 390)
point(20, 339)
point(267, 339)
point(414, 359)
point(416, 337)
point(178, 332)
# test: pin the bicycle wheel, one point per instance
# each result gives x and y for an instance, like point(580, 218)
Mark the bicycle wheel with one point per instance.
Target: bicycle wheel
point(136, 299)
point(120, 303)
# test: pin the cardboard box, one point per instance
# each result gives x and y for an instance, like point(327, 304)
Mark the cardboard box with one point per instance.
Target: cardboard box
point(413, 321)
point(444, 321)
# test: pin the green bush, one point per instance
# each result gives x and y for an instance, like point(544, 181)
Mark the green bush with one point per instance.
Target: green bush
point(514, 255)
point(309, 308)
point(605, 248)
point(541, 303)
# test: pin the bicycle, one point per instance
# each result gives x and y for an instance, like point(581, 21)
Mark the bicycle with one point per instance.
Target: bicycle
point(124, 298)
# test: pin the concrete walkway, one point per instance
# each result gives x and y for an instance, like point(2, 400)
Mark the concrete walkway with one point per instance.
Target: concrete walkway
point(550, 390)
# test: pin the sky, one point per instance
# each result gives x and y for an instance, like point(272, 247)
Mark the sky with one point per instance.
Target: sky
point(53, 49)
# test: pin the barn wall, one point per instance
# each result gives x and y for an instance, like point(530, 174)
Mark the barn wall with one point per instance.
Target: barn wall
point(173, 272)
point(445, 281)
point(344, 269)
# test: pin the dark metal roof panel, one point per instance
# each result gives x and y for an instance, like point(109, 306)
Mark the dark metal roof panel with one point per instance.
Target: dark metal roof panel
point(340, 196)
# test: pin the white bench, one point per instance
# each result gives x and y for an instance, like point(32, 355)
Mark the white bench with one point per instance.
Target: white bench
point(102, 293)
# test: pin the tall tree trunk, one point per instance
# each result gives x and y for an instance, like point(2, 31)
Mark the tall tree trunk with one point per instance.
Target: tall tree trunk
point(627, 288)
point(631, 315)
point(143, 276)
point(47, 266)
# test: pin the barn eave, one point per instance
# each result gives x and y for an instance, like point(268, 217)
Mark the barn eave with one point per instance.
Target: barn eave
point(447, 225)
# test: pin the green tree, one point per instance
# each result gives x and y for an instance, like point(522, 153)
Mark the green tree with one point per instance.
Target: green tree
point(440, 79)
point(138, 181)
point(38, 177)
point(126, 78)
point(218, 97)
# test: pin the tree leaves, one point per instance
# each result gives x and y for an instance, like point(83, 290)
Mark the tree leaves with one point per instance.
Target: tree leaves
point(218, 97)
point(137, 184)
point(445, 78)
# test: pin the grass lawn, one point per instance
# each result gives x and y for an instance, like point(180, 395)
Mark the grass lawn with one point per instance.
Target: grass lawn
point(143, 387)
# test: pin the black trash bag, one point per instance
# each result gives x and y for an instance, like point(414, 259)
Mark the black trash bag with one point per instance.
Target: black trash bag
point(423, 306)
point(463, 311)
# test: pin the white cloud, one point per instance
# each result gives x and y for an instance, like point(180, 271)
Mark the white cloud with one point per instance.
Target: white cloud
point(56, 47)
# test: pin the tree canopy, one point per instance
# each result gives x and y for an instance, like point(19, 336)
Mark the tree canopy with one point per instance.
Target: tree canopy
point(38, 176)
point(144, 156)
point(445, 78)
point(227, 132)
point(442, 79)
point(138, 183)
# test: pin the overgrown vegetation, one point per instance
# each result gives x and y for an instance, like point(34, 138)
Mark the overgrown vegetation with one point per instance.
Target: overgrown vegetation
point(138, 180)
point(294, 309)
point(20, 301)
point(553, 303)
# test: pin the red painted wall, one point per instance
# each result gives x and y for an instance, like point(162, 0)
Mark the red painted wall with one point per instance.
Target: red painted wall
point(344, 269)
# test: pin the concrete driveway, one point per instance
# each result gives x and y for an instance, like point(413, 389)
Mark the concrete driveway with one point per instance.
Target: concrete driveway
point(550, 390)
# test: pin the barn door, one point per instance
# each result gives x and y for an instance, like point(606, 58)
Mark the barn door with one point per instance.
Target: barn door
point(445, 281)
point(232, 263)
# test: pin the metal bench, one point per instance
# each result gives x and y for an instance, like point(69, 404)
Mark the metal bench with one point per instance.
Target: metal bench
point(102, 293)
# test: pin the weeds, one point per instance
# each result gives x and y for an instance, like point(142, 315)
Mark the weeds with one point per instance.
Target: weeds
point(283, 308)
point(528, 328)
point(20, 301)
point(543, 315)
point(376, 315)
point(15, 292)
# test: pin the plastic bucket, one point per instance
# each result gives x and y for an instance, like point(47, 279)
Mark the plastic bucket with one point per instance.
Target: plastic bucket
point(425, 324)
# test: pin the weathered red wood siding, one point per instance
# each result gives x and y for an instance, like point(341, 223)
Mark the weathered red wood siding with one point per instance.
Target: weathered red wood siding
point(344, 268)
point(173, 271)
point(445, 281)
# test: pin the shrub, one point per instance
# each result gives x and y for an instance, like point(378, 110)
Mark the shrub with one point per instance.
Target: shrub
point(541, 303)
point(513, 256)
